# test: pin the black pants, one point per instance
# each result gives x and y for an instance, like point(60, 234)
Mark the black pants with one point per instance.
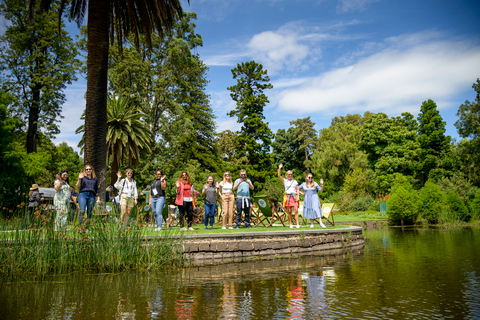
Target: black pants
point(188, 209)
point(246, 209)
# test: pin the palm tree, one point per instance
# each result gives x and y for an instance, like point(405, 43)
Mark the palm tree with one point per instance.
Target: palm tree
point(110, 18)
point(127, 134)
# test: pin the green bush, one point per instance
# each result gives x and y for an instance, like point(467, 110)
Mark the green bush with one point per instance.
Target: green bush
point(432, 202)
point(403, 203)
point(361, 203)
point(457, 209)
point(374, 206)
point(475, 206)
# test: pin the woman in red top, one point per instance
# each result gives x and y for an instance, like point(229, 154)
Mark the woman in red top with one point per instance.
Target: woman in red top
point(184, 200)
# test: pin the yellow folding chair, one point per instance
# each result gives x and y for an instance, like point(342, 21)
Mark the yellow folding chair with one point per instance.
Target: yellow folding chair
point(327, 212)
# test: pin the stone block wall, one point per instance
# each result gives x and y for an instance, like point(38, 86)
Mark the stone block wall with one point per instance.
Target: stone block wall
point(205, 249)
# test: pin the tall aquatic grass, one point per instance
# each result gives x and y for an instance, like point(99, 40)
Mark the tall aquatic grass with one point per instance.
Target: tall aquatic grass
point(38, 250)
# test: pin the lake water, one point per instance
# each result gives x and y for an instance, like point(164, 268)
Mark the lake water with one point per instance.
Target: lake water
point(426, 273)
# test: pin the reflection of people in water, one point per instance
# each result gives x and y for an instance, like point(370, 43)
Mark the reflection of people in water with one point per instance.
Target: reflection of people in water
point(229, 301)
point(316, 294)
point(185, 305)
point(296, 304)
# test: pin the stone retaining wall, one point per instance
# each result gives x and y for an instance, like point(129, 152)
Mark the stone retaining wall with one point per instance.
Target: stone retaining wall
point(207, 249)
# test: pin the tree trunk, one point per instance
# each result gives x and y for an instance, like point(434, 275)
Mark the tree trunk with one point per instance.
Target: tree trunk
point(96, 110)
point(114, 170)
point(33, 115)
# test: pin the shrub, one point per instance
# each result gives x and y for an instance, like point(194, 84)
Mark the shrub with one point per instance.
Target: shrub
point(361, 203)
point(274, 189)
point(432, 202)
point(403, 203)
point(457, 209)
point(475, 206)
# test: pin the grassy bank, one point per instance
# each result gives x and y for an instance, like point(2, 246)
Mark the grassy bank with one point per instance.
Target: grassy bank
point(38, 250)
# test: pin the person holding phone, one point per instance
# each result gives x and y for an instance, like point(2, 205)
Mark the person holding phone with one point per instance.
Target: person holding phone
point(243, 187)
point(62, 201)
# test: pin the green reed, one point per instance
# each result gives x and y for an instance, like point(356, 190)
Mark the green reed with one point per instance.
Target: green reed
point(38, 250)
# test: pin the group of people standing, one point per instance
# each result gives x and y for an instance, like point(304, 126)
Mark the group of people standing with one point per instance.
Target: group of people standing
point(64, 202)
point(87, 184)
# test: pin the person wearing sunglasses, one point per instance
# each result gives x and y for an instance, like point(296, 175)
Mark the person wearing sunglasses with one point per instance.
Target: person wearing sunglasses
point(226, 187)
point(88, 191)
point(61, 201)
point(312, 208)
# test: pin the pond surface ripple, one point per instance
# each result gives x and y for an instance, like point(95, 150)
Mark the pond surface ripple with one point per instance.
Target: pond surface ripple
point(412, 273)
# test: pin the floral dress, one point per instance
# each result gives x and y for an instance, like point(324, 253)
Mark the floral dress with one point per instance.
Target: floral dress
point(62, 206)
point(312, 208)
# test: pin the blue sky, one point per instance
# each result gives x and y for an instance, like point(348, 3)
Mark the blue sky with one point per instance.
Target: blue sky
point(328, 58)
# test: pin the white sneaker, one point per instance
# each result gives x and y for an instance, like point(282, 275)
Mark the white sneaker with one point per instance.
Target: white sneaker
point(230, 228)
point(158, 229)
point(291, 226)
point(191, 229)
point(312, 226)
point(322, 225)
point(183, 229)
point(224, 228)
point(298, 226)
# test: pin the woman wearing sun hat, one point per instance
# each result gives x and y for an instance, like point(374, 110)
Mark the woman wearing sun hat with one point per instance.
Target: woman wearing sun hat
point(34, 199)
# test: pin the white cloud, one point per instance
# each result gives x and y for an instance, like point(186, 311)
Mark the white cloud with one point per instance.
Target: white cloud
point(408, 70)
point(353, 5)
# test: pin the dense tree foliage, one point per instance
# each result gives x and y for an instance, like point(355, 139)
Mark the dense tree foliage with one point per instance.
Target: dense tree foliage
point(403, 203)
point(38, 60)
point(255, 137)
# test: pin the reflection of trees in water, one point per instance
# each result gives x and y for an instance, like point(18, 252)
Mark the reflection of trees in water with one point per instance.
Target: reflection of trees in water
point(246, 290)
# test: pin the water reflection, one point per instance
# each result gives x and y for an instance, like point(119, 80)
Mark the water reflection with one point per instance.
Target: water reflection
point(400, 274)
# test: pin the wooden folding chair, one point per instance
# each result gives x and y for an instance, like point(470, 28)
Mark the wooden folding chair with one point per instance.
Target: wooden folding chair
point(268, 211)
point(327, 212)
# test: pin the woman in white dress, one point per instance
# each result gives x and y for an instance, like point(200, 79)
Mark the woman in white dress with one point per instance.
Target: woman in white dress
point(312, 208)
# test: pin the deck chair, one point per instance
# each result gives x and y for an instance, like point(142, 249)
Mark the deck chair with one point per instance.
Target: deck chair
point(265, 212)
point(283, 213)
point(327, 212)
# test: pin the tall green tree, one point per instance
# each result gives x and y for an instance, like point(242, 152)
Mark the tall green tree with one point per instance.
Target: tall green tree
point(306, 134)
point(128, 135)
point(338, 153)
point(288, 151)
point(255, 137)
point(468, 127)
point(433, 142)
point(391, 146)
point(117, 19)
point(38, 60)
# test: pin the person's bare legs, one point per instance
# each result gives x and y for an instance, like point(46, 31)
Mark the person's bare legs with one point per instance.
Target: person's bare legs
point(289, 214)
point(295, 209)
point(127, 215)
point(122, 214)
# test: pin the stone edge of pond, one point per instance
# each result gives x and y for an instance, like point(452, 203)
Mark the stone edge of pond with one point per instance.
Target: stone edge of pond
point(210, 249)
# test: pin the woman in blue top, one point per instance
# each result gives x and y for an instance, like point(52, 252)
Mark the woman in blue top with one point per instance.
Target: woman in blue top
point(312, 208)
point(88, 190)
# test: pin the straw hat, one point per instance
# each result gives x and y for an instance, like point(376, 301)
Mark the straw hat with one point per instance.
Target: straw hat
point(34, 186)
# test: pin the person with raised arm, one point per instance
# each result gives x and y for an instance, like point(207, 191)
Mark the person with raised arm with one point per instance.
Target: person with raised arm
point(87, 185)
point(61, 201)
point(292, 194)
point(312, 208)
point(243, 187)
point(128, 195)
point(157, 197)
